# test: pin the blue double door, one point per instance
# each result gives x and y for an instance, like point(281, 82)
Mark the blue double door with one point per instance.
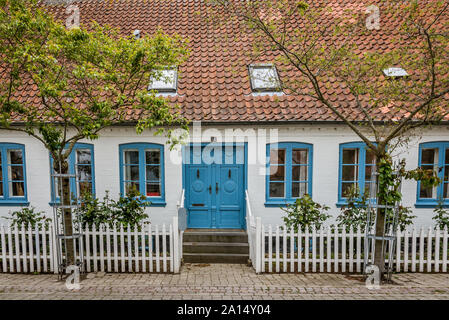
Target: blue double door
point(215, 186)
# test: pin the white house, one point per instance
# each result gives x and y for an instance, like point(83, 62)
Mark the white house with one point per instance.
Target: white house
point(239, 123)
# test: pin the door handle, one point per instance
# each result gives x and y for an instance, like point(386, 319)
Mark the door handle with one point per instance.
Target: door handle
point(210, 189)
point(216, 187)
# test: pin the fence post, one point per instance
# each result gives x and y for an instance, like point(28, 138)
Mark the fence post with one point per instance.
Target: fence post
point(258, 244)
point(176, 261)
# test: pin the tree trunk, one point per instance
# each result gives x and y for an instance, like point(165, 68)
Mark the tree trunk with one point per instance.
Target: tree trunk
point(65, 198)
point(379, 255)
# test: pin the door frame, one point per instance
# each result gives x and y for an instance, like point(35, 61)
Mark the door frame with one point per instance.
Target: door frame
point(222, 144)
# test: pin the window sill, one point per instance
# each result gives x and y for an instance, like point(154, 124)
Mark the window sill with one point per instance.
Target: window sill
point(157, 202)
point(14, 203)
point(279, 203)
point(430, 204)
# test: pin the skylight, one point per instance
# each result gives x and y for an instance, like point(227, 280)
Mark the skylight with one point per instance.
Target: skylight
point(264, 77)
point(164, 80)
point(395, 72)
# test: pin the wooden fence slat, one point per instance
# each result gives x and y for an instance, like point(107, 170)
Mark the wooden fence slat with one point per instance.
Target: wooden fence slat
point(44, 249)
point(336, 249)
point(10, 249)
point(313, 249)
point(17, 243)
point(122, 248)
point(277, 249)
point(158, 252)
point(445, 238)
point(421, 250)
point(306, 250)
point(359, 250)
point(414, 249)
point(170, 237)
point(343, 250)
point(270, 249)
point(136, 249)
point(263, 249)
point(3, 248)
point(351, 249)
point(329, 254)
point(94, 248)
point(299, 249)
point(322, 249)
point(87, 258)
point(115, 235)
point(292, 250)
point(429, 250)
point(405, 251)
point(398, 250)
point(108, 248)
point(24, 249)
point(101, 240)
point(150, 246)
point(37, 248)
point(129, 251)
point(31, 249)
point(143, 251)
point(436, 264)
point(164, 248)
point(284, 249)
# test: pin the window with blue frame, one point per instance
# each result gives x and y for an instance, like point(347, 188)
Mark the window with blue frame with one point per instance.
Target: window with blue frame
point(81, 164)
point(357, 164)
point(12, 174)
point(434, 156)
point(142, 168)
point(289, 168)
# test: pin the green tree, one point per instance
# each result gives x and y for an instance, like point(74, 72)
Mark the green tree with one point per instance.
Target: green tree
point(84, 78)
point(318, 47)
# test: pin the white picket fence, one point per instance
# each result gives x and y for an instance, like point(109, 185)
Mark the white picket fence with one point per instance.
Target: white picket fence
point(335, 250)
point(144, 248)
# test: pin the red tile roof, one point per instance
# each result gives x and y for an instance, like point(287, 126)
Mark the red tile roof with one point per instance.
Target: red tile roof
point(211, 86)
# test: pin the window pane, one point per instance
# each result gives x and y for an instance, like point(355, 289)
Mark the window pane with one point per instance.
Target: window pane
point(17, 189)
point(130, 186)
point(15, 157)
point(83, 156)
point(446, 190)
point(350, 156)
point(369, 170)
point(446, 173)
point(299, 189)
point(277, 173)
point(131, 157)
point(429, 156)
point(370, 157)
point(277, 156)
point(153, 156)
point(15, 173)
point(84, 173)
point(446, 161)
point(299, 156)
point(153, 190)
point(368, 187)
point(132, 173)
point(428, 192)
point(1, 189)
point(350, 173)
point(276, 189)
point(152, 173)
point(299, 173)
point(346, 186)
point(85, 187)
point(264, 77)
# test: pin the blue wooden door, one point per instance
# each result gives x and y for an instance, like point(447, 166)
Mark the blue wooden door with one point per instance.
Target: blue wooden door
point(215, 190)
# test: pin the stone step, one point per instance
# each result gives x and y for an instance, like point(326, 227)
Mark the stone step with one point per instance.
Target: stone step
point(215, 258)
point(215, 236)
point(215, 247)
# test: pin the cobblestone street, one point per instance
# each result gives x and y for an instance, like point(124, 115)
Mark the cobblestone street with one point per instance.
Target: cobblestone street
point(223, 281)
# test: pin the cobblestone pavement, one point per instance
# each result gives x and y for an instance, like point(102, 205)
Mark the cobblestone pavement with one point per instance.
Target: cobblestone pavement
point(223, 281)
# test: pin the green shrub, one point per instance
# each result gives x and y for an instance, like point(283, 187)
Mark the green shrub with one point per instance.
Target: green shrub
point(128, 210)
point(29, 218)
point(355, 212)
point(305, 213)
point(441, 216)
